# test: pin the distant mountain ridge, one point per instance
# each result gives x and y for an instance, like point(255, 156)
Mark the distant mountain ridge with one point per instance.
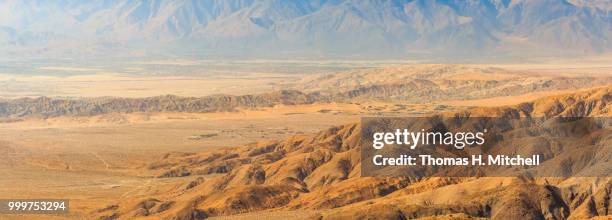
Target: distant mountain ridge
point(407, 84)
point(305, 29)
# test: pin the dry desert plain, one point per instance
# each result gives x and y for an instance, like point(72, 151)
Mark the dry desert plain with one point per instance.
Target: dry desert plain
point(274, 145)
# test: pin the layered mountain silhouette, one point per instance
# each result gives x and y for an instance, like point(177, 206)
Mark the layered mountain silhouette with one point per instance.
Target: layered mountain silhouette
point(321, 173)
point(306, 29)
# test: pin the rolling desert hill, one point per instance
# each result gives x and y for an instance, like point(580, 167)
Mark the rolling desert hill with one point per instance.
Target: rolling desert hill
point(320, 175)
point(436, 82)
point(49, 107)
point(404, 84)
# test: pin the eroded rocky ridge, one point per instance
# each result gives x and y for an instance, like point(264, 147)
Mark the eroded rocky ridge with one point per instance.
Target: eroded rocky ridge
point(321, 172)
point(413, 84)
point(49, 107)
point(436, 82)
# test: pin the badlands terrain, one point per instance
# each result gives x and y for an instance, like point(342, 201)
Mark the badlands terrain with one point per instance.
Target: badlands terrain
point(283, 146)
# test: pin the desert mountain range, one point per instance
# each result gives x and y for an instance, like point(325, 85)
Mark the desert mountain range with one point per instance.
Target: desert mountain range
point(258, 109)
point(491, 29)
point(320, 173)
